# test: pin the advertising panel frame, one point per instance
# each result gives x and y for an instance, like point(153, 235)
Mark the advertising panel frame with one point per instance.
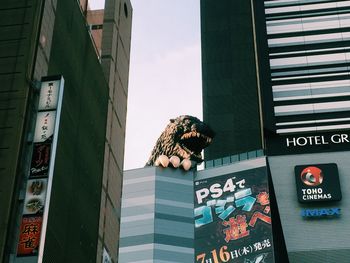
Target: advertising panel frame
point(239, 229)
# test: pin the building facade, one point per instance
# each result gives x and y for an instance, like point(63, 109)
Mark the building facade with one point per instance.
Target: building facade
point(230, 79)
point(115, 60)
point(157, 216)
point(298, 78)
point(289, 58)
point(46, 38)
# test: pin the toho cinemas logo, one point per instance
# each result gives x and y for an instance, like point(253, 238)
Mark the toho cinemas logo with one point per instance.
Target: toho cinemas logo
point(312, 176)
point(317, 183)
point(317, 140)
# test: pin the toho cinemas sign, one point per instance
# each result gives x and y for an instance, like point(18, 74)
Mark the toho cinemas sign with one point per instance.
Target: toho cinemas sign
point(308, 143)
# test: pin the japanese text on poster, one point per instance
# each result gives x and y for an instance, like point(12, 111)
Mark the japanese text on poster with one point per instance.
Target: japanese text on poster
point(233, 218)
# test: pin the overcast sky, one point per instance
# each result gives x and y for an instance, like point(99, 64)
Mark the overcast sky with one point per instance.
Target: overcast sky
point(165, 71)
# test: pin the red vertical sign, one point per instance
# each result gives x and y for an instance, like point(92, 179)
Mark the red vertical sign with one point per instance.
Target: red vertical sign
point(29, 238)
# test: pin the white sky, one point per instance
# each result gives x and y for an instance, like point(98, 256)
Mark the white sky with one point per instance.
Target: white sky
point(165, 71)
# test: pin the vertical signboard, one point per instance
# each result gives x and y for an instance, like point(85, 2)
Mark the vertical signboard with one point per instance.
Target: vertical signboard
point(233, 218)
point(30, 235)
point(40, 160)
point(35, 196)
point(38, 188)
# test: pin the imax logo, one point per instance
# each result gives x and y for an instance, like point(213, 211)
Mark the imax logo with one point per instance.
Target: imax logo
point(320, 212)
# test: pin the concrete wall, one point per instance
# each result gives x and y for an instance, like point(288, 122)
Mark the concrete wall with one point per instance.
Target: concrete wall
point(72, 230)
point(115, 59)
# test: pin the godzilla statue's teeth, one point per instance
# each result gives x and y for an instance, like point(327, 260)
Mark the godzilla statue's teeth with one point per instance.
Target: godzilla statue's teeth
point(162, 160)
point(175, 161)
point(186, 164)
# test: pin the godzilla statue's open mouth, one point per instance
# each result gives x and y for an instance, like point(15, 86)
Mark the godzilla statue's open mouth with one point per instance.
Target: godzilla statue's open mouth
point(193, 143)
point(181, 143)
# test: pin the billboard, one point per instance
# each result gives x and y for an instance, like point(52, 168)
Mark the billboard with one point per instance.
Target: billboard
point(233, 218)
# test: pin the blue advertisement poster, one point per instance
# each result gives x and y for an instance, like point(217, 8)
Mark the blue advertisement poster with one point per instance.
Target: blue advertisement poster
point(233, 218)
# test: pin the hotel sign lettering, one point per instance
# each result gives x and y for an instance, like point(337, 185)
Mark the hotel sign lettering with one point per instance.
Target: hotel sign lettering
point(303, 141)
point(308, 143)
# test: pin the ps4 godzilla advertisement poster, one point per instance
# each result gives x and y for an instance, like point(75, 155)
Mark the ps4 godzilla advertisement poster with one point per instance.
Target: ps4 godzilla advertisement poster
point(233, 218)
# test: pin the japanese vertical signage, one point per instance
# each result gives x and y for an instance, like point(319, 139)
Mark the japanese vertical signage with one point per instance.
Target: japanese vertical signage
point(38, 187)
point(30, 235)
point(233, 218)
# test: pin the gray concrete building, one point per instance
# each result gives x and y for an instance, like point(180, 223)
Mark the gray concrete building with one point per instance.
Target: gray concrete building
point(319, 239)
point(46, 38)
point(157, 216)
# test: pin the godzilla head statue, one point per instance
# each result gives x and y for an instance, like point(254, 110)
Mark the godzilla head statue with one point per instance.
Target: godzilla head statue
point(181, 143)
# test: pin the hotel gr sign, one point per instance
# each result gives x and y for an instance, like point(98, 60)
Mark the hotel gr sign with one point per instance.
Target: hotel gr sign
point(303, 141)
point(308, 143)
